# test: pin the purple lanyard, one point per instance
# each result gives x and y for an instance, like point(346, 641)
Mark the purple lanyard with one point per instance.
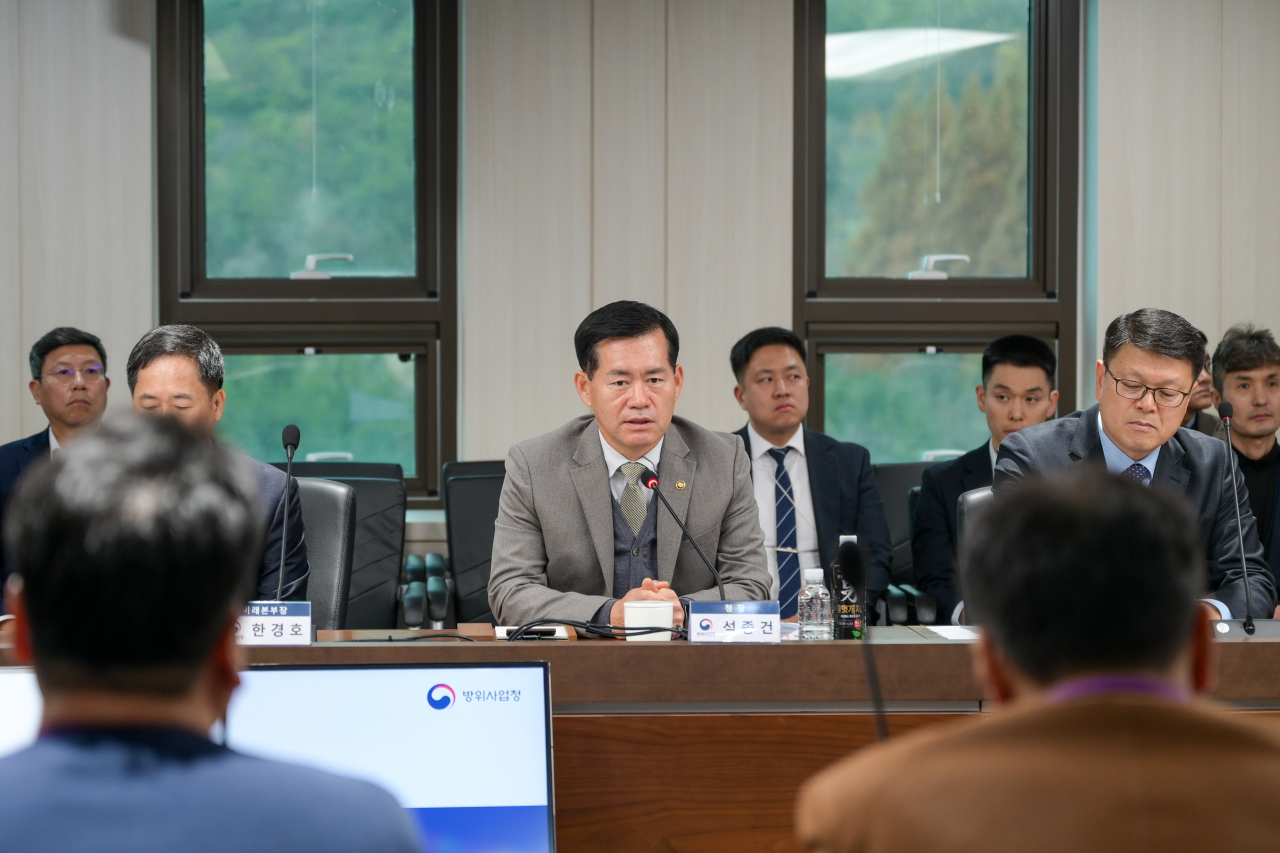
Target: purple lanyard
point(1100, 684)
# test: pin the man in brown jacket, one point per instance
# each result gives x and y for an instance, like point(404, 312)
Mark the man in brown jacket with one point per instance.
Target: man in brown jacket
point(1101, 741)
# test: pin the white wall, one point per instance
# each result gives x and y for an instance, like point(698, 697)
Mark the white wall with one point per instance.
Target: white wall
point(1188, 181)
point(75, 185)
point(618, 149)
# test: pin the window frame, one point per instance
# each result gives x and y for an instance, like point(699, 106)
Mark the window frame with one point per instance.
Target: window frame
point(348, 313)
point(862, 311)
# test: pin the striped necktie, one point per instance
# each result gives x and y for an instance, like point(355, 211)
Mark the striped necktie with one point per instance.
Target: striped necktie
point(634, 508)
point(788, 557)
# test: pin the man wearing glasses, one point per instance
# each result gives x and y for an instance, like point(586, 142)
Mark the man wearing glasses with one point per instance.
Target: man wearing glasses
point(1150, 361)
point(69, 382)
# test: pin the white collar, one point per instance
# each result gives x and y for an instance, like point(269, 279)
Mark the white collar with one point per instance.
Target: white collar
point(1117, 460)
point(759, 446)
point(613, 460)
point(54, 447)
point(991, 446)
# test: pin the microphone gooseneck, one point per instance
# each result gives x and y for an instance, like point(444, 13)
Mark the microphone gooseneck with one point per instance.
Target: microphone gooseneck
point(853, 570)
point(290, 438)
point(1225, 411)
point(650, 481)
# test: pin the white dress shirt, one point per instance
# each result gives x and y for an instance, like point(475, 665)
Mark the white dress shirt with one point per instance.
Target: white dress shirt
point(54, 447)
point(613, 461)
point(763, 471)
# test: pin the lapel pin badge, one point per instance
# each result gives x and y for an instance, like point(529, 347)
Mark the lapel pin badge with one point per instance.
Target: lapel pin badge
point(680, 485)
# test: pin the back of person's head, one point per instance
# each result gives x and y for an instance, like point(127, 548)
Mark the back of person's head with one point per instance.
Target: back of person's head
point(1158, 331)
point(63, 336)
point(1084, 572)
point(752, 342)
point(133, 549)
point(621, 319)
point(1243, 347)
point(1019, 351)
point(178, 339)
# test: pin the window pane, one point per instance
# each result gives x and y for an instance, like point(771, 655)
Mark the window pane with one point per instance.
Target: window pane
point(360, 405)
point(927, 136)
point(308, 136)
point(902, 405)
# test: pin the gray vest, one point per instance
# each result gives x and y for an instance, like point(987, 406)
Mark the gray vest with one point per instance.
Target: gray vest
point(635, 557)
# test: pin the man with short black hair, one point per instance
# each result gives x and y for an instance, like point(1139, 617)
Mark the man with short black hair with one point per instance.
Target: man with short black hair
point(1016, 391)
point(578, 535)
point(133, 555)
point(810, 489)
point(1246, 374)
point(69, 382)
point(176, 371)
point(1199, 418)
point(1150, 360)
point(1100, 740)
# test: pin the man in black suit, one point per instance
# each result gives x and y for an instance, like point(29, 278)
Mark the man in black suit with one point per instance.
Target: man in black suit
point(69, 382)
point(810, 488)
point(1016, 391)
point(1246, 374)
point(1150, 361)
point(176, 371)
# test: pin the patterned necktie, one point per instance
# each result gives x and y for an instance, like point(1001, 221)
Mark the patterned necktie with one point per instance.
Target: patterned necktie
point(1137, 471)
point(634, 509)
point(788, 558)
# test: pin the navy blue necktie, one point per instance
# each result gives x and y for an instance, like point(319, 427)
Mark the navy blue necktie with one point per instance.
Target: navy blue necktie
point(1137, 471)
point(788, 557)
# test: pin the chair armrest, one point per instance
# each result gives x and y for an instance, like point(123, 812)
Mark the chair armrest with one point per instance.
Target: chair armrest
point(437, 566)
point(896, 605)
point(415, 569)
point(413, 604)
point(924, 605)
point(437, 599)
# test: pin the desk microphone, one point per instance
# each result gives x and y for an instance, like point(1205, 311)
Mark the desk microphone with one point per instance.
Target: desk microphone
point(291, 438)
point(853, 574)
point(1225, 411)
point(650, 481)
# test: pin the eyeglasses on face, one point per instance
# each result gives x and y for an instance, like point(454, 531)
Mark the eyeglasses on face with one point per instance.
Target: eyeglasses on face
point(1170, 398)
point(67, 376)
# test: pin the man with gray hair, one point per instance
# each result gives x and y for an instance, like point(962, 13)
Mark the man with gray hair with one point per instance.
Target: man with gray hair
point(1150, 361)
point(1246, 374)
point(176, 371)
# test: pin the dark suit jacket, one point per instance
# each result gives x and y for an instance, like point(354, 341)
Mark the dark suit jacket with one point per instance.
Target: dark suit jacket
point(15, 458)
point(933, 546)
point(271, 483)
point(1191, 465)
point(1109, 773)
point(845, 503)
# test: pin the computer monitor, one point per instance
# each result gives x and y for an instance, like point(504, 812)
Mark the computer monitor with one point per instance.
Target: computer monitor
point(465, 748)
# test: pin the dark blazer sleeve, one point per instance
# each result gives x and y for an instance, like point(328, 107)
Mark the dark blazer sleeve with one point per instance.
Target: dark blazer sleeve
point(15, 458)
point(1014, 461)
point(296, 567)
point(932, 549)
point(1226, 577)
point(863, 513)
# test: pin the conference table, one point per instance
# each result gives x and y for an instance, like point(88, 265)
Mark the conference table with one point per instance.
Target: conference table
point(672, 746)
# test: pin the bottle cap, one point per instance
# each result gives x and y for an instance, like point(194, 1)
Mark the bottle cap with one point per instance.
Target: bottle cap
point(813, 576)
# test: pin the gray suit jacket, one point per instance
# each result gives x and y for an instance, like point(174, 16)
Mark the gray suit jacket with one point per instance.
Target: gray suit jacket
point(1192, 465)
point(553, 540)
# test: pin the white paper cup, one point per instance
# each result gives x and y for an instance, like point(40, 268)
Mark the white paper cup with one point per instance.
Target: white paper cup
point(649, 614)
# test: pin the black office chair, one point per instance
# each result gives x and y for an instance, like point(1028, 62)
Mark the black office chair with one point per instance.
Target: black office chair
point(329, 514)
point(481, 468)
point(969, 506)
point(895, 482)
point(471, 508)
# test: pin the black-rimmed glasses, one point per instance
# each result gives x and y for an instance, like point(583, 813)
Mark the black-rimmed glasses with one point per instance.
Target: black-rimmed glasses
point(1170, 398)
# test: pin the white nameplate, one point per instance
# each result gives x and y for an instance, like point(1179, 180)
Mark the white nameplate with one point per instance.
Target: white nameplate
point(734, 622)
point(275, 623)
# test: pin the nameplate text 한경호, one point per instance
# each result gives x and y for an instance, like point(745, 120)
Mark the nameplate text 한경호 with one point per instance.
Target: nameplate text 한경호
point(734, 622)
point(275, 623)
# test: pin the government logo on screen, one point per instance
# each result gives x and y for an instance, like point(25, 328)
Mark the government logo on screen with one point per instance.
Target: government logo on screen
point(441, 696)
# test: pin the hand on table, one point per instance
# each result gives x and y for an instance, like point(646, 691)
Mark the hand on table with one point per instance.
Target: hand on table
point(649, 590)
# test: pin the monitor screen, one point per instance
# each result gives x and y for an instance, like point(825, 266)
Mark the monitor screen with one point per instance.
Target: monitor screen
point(466, 749)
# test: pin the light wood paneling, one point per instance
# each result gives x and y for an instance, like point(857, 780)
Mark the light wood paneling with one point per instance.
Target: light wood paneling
point(1250, 168)
point(1160, 159)
point(628, 149)
point(12, 360)
point(729, 119)
point(86, 176)
point(526, 280)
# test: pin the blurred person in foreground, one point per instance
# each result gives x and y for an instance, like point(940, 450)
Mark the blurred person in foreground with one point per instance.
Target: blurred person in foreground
point(1102, 740)
point(133, 554)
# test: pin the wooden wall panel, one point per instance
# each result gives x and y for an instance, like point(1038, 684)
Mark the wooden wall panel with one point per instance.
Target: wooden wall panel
point(1160, 159)
point(12, 360)
point(729, 120)
point(1250, 168)
point(629, 151)
point(526, 274)
point(86, 182)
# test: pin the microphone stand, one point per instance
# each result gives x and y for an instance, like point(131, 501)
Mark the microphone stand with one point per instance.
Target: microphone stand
point(284, 527)
point(651, 480)
point(1248, 626)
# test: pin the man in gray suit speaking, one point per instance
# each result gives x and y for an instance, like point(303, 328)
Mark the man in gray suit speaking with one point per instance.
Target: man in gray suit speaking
point(577, 533)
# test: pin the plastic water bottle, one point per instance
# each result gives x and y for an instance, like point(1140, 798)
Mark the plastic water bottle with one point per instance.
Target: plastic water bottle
point(814, 607)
